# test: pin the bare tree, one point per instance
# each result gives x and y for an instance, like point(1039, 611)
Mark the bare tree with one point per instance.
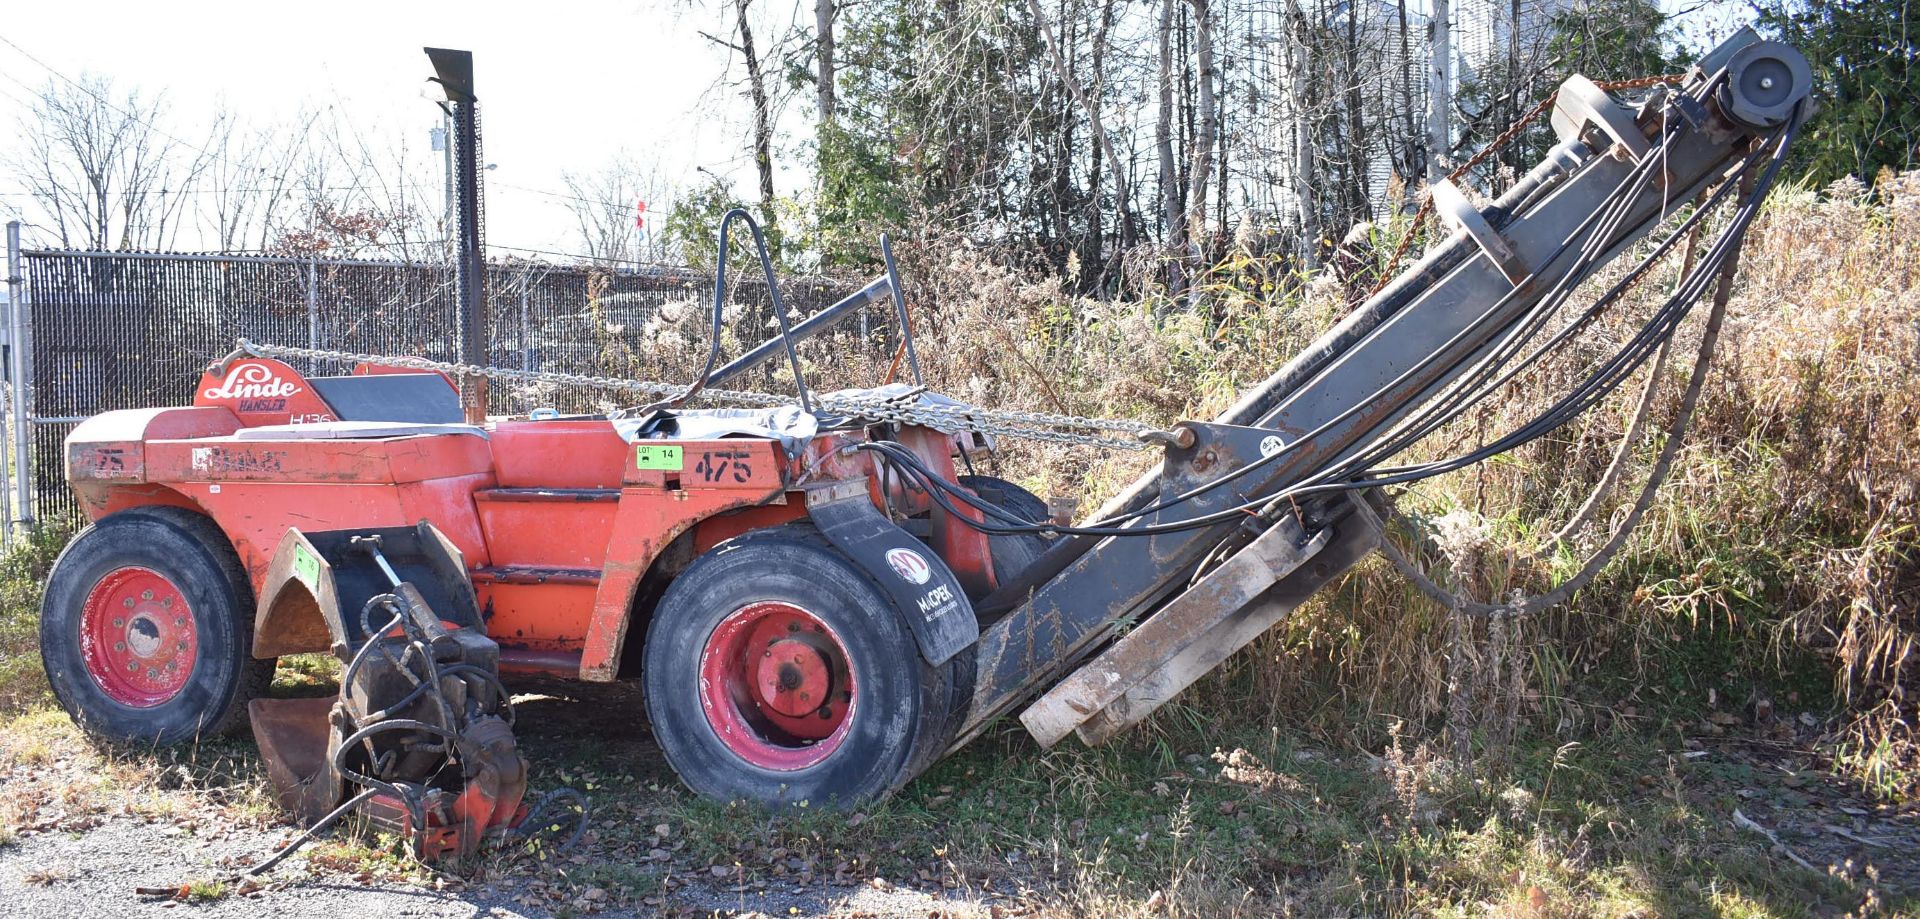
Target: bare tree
point(1089, 106)
point(1203, 135)
point(604, 203)
point(106, 176)
point(1163, 128)
point(823, 13)
point(249, 186)
point(762, 115)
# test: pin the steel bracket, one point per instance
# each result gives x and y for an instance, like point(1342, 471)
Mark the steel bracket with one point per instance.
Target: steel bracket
point(1583, 103)
point(1459, 213)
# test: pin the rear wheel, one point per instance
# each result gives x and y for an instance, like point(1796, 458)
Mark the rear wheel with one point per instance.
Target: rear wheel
point(1012, 552)
point(777, 672)
point(146, 629)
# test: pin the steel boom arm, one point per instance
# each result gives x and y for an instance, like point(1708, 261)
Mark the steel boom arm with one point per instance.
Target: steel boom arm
point(1392, 355)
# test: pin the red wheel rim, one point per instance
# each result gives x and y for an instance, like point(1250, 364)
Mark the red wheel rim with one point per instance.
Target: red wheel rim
point(137, 637)
point(776, 686)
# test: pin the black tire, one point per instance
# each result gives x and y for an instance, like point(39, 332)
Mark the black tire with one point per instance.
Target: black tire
point(191, 553)
point(898, 720)
point(1011, 552)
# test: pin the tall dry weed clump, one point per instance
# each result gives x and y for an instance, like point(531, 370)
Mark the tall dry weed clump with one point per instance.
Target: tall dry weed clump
point(1787, 535)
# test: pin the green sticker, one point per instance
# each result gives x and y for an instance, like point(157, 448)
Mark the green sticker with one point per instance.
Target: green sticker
point(305, 566)
point(658, 458)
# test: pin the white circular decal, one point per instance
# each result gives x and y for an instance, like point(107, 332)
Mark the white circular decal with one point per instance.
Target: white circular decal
point(909, 565)
point(1270, 445)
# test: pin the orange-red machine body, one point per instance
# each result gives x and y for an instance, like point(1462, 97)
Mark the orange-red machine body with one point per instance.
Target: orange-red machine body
point(563, 523)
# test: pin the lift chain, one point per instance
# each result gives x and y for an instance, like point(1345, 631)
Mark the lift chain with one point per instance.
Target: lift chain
point(903, 409)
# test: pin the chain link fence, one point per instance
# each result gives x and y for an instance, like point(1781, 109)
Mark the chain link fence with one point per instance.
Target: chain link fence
point(114, 330)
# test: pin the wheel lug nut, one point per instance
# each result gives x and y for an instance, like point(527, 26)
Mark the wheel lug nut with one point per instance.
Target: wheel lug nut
point(168, 602)
point(146, 595)
point(119, 623)
point(133, 667)
point(182, 646)
point(179, 621)
point(128, 603)
point(152, 674)
point(793, 626)
point(119, 646)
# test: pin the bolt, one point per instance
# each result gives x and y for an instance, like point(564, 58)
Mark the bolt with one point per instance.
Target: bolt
point(168, 602)
point(793, 626)
point(152, 674)
point(180, 621)
point(119, 623)
point(128, 603)
point(146, 595)
point(133, 667)
point(182, 646)
point(1766, 82)
point(119, 646)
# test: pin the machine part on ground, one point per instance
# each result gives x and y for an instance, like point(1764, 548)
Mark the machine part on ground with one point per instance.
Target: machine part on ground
point(422, 724)
point(820, 604)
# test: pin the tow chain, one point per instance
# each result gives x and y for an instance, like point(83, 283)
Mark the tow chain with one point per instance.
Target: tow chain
point(902, 409)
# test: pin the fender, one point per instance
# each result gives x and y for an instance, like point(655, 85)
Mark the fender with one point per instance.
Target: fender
point(925, 592)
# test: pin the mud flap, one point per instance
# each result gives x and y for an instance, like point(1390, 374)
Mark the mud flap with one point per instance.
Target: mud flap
point(924, 590)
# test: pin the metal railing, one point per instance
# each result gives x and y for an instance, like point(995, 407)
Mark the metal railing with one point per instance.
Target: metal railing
point(87, 332)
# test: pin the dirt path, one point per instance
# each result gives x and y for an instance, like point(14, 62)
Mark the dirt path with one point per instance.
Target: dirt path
point(63, 874)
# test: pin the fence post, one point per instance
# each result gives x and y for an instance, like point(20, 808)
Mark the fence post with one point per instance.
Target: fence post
point(19, 339)
point(526, 323)
point(313, 311)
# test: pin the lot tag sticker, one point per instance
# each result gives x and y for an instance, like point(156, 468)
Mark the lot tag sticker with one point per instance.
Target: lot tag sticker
point(306, 567)
point(659, 458)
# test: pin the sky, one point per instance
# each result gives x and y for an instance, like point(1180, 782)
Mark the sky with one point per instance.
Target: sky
point(562, 85)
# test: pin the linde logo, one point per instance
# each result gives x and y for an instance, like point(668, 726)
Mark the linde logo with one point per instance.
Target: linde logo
point(252, 381)
point(909, 565)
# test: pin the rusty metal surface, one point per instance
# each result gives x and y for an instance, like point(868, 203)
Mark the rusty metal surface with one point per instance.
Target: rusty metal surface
point(295, 738)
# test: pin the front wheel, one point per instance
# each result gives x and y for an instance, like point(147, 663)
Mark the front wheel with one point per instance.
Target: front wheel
point(146, 629)
point(777, 672)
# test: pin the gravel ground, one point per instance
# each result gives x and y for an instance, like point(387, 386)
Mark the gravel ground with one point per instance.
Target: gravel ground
point(58, 875)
